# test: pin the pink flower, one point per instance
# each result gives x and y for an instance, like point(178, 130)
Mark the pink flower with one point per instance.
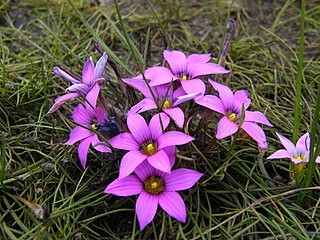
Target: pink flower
point(155, 187)
point(87, 116)
point(298, 154)
point(165, 97)
point(185, 69)
point(147, 143)
point(90, 76)
point(230, 105)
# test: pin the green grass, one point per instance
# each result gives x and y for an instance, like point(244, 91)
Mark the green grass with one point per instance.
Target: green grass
point(242, 195)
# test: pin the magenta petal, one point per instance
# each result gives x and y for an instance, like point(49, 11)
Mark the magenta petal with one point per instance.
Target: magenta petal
point(256, 132)
point(208, 68)
point(198, 58)
point(160, 161)
point(77, 134)
point(212, 102)
point(303, 143)
point(297, 161)
point(171, 152)
point(173, 138)
point(88, 72)
point(128, 186)
point(100, 66)
point(318, 159)
point(176, 59)
point(99, 145)
point(280, 154)
point(193, 86)
point(83, 151)
point(100, 114)
point(181, 99)
point(65, 75)
point(145, 104)
point(225, 94)
point(91, 99)
point(124, 141)
point(61, 100)
point(144, 170)
point(256, 117)
point(138, 127)
point(146, 208)
point(176, 114)
point(156, 124)
point(181, 179)
point(287, 144)
point(138, 84)
point(130, 161)
point(159, 75)
point(225, 128)
point(79, 88)
point(178, 92)
point(241, 97)
point(173, 204)
point(80, 115)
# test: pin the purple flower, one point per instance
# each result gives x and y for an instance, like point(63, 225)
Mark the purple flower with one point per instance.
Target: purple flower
point(147, 143)
point(298, 154)
point(165, 97)
point(155, 187)
point(87, 116)
point(185, 69)
point(90, 75)
point(230, 105)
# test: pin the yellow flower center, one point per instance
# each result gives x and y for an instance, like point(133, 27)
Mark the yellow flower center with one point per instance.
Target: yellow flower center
point(232, 117)
point(167, 104)
point(184, 77)
point(149, 148)
point(300, 157)
point(154, 185)
point(93, 126)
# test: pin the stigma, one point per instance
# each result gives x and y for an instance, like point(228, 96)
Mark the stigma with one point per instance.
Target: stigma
point(167, 104)
point(154, 185)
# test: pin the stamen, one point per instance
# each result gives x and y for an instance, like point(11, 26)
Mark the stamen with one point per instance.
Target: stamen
point(154, 185)
point(93, 126)
point(149, 148)
point(167, 104)
point(232, 117)
point(184, 77)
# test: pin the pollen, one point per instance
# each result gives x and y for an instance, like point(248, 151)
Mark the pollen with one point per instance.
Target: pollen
point(149, 148)
point(184, 77)
point(93, 126)
point(232, 117)
point(154, 185)
point(166, 104)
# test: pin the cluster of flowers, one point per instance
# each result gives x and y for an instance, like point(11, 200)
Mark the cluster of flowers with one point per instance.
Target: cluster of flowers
point(147, 168)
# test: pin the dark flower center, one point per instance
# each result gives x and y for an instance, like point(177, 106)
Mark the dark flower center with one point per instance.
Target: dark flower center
point(154, 185)
point(149, 148)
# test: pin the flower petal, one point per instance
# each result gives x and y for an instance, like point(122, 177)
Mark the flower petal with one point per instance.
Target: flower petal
point(256, 132)
point(138, 127)
point(160, 161)
point(173, 204)
point(128, 186)
point(144, 170)
point(256, 117)
point(287, 144)
point(80, 115)
point(303, 144)
point(79, 88)
point(124, 141)
point(99, 145)
point(100, 66)
point(61, 100)
point(77, 134)
point(177, 61)
point(225, 128)
point(171, 152)
point(88, 72)
point(130, 161)
point(212, 102)
point(146, 208)
point(65, 75)
point(186, 97)
point(91, 99)
point(198, 58)
point(176, 114)
point(100, 114)
point(173, 138)
point(156, 124)
point(207, 68)
point(159, 75)
point(140, 85)
point(241, 97)
point(83, 151)
point(318, 159)
point(145, 104)
point(193, 86)
point(181, 179)
point(279, 154)
point(225, 94)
